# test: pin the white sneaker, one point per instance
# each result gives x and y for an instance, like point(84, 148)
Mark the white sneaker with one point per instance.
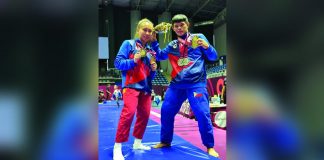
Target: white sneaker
point(140, 146)
point(118, 155)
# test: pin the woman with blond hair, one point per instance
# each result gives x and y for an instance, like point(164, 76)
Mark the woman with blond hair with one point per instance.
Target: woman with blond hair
point(136, 60)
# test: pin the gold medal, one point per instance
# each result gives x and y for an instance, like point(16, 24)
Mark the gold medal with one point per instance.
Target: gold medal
point(194, 43)
point(143, 53)
point(185, 61)
point(180, 62)
point(152, 60)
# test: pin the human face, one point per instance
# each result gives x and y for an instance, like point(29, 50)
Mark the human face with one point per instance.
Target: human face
point(145, 32)
point(180, 28)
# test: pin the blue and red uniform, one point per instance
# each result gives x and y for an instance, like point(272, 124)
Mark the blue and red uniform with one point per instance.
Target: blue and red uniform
point(137, 85)
point(188, 81)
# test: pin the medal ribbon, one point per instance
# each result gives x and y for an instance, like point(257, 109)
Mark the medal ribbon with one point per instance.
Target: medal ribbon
point(183, 49)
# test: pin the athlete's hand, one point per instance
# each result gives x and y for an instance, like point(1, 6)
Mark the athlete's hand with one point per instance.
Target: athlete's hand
point(137, 57)
point(153, 37)
point(202, 43)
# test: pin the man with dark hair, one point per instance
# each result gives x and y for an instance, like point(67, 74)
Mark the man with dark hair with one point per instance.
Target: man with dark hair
point(187, 55)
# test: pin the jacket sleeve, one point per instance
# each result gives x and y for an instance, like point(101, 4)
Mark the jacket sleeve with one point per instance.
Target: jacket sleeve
point(152, 74)
point(160, 54)
point(210, 52)
point(122, 62)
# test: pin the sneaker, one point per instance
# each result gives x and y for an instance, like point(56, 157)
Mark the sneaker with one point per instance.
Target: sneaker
point(118, 155)
point(160, 145)
point(140, 146)
point(212, 152)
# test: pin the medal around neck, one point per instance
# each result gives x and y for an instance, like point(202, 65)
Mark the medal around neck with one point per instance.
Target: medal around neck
point(183, 61)
point(151, 58)
point(142, 52)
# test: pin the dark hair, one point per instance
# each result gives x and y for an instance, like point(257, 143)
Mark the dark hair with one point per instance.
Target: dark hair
point(179, 18)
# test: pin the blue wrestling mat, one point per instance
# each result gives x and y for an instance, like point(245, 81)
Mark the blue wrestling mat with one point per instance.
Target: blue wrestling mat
point(108, 120)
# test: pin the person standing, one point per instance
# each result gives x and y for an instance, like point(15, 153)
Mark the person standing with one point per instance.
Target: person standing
point(187, 55)
point(117, 94)
point(136, 61)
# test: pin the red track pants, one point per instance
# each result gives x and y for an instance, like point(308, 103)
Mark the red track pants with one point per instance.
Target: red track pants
point(133, 100)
